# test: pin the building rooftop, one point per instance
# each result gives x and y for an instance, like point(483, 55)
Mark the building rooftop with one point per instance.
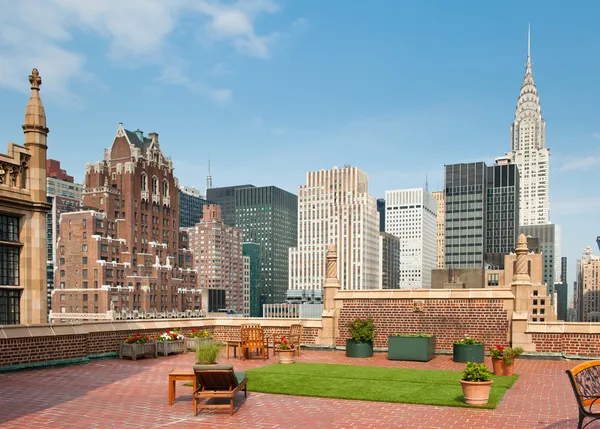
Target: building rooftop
point(112, 393)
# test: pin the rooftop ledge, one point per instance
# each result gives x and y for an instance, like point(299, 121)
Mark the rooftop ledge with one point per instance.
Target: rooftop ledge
point(495, 293)
point(82, 328)
point(562, 328)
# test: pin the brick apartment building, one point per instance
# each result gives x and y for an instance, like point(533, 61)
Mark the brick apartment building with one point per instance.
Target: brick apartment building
point(218, 259)
point(122, 252)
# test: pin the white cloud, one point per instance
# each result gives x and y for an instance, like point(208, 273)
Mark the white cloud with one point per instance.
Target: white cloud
point(36, 33)
point(580, 164)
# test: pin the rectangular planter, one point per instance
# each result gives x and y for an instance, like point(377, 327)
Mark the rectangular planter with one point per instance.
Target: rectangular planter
point(192, 343)
point(359, 350)
point(167, 347)
point(468, 353)
point(420, 349)
point(135, 351)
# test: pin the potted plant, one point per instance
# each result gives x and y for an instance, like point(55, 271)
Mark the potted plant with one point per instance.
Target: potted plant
point(418, 347)
point(468, 350)
point(503, 359)
point(195, 337)
point(362, 332)
point(476, 383)
point(207, 352)
point(497, 354)
point(286, 351)
point(137, 345)
point(170, 342)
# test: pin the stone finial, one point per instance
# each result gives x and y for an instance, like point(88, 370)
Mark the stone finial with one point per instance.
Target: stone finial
point(521, 271)
point(35, 79)
point(331, 262)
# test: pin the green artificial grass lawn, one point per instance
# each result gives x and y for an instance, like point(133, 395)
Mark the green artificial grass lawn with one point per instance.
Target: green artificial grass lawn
point(369, 383)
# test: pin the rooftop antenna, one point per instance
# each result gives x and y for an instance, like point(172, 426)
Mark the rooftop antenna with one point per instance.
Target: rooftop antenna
point(208, 177)
point(426, 183)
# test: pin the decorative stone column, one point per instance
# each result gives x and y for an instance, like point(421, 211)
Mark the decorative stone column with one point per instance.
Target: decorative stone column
point(521, 289)
point(330, 314)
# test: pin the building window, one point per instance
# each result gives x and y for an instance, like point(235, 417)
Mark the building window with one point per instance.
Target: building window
point(154, 185)
point(10, 307)
point(84, 260)
point(84, 247)
point(9, 229)
point(9, 265)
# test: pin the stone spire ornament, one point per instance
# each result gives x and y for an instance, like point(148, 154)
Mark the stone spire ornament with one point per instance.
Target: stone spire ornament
point(522, 262)
point(331, 262)
point(35, 115)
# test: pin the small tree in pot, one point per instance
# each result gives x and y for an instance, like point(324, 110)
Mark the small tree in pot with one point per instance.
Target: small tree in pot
point(362, 332)
point(476, 383)
point(503, 359)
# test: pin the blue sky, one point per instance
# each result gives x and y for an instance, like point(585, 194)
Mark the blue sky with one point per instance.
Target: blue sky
point(273, 89)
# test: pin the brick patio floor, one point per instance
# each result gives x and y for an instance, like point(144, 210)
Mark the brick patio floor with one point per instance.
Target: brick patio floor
point(122, 394)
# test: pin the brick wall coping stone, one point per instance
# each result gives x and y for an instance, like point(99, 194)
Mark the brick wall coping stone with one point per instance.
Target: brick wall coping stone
point(488, 293)
point(78, 328)
point(562, 328)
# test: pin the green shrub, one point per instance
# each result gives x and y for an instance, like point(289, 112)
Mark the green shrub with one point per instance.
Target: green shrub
point(206, 352)
point(510, 354)
point(469, 341)
point(476, 372)
point(362, 330)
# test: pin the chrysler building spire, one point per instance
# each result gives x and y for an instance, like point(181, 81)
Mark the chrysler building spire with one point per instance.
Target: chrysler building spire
point(528, 150)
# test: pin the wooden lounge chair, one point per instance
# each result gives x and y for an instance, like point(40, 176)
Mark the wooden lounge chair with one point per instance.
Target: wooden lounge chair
point(217, 381)
point(294, 337)
point(253, 338)
point(585, 380)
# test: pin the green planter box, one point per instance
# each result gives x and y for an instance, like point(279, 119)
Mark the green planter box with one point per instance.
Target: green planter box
point(468, 353)
point(359, 350)
point(411, 348)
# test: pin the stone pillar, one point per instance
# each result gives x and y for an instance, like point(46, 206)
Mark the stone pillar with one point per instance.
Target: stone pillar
point(521, 289)
point(33, 233)
point(330, 314)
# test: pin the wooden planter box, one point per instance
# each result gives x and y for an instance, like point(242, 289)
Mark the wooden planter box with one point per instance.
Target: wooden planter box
point(420, 349)
point(167, 347)
point(359, 350)
point(468, 353)
point(137, 350)
point(192, 343)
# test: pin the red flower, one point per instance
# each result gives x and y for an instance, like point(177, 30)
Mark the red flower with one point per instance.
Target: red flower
point(500, 348)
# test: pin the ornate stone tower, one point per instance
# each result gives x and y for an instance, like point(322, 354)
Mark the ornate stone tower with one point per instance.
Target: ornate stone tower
point(521, 288)
point(23, 210)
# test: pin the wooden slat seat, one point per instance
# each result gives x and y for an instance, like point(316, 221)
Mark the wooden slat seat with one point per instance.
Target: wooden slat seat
point(217, 381)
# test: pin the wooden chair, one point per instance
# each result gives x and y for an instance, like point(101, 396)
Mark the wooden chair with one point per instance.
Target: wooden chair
point(585, 380)
point(295, 337)
point(253, 338)
point(217, 381)
point(256, 325)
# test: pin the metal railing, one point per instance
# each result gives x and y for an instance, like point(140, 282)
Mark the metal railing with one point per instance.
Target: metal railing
point(293, 311)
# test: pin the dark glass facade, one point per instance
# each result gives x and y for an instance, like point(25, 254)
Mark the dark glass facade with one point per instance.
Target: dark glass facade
point(501, 214)
point(465, 213)
point(390, 261)
point(269, 217)
point(563, 270)
point(190, 209)
point(561, 301)
point(225, 197)
point(252, 251)
point(381, 210)
point(546, 234)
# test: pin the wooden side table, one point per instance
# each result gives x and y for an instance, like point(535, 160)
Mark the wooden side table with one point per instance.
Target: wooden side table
point(180, 375)
point(235, 345)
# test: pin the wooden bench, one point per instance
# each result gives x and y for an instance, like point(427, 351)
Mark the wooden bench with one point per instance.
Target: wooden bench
point(585, 380)
point(180, 375)
point(217, 382)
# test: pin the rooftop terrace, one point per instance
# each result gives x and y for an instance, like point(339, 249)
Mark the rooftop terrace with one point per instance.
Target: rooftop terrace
point(112, 393)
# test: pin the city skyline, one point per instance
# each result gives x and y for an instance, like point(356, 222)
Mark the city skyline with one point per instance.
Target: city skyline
point(396, 110)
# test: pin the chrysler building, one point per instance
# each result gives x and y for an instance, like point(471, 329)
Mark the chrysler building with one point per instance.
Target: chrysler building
point(528, 150)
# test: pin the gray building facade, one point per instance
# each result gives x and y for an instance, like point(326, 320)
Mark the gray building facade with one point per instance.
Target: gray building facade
point(381, 210)
point(269, 217)
point(191, 204)
point(546, 234)
point(389, 258)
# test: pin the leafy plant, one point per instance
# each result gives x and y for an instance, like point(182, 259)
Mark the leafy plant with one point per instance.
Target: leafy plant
point(138, 339)
point(476, 372)
point(362, 330)
point(510, 354)
point(497, 352)
point(284, 344)
point(170, 336)
point(197, 333)
point(413, 335)
point(469, 341)
point(207, 352)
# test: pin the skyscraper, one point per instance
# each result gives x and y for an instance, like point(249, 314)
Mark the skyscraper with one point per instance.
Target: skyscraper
point(191, 204)
point(268, 216)
point(411, 215)
point(528, 150)
point(389, 261)
point(441, 226)
point(251, 251)
point(549, 244)
point(225, 197)
point(587, 287)
point(334, 206)
point(381, 210)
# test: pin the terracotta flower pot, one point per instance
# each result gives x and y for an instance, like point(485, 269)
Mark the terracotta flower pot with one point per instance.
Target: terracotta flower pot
point(498, 366)
point(476, 392)
point(286, 356)
point(509, 369)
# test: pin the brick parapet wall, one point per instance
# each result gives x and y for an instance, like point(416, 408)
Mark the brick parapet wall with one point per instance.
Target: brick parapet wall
point(448, 319)
point(567, 338)
point(23, 345)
